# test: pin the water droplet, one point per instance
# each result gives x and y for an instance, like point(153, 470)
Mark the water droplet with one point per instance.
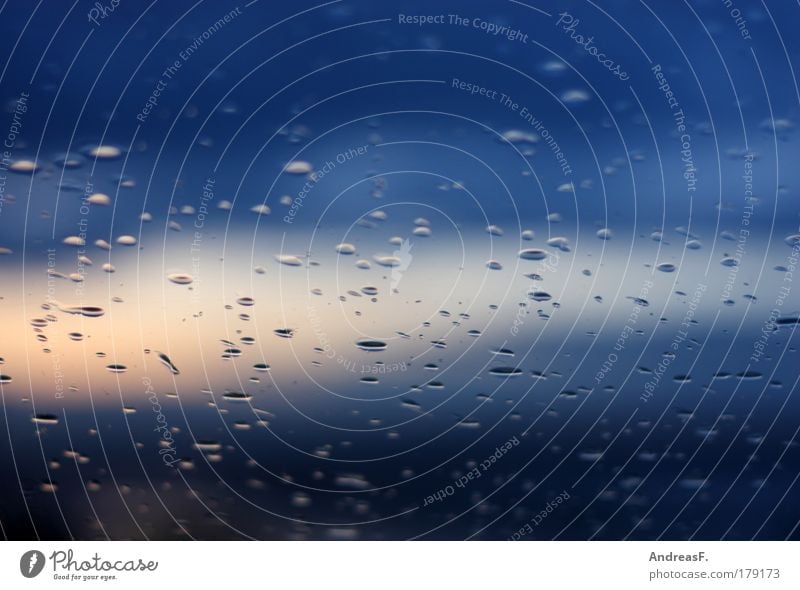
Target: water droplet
point(345, 248)
point(261, 209)
point(300, 500)
point(126, 240)
point(208, 446)
point(749, 375)
point(639, 301)
point(73, 241)
point(180, 278)
point(559, 243)
point(99, 199)
point(575, 96)
point(24, 167)
point(165, 360)
point(502, 351)
point(116, 368)
point(371, 345)
point(604, 234)
point(787, 321)
point(505, 371)
point(289, 259)
point(105, 152)
point(298, 167)
point(519, 136)
point(466, 423)
point(89, 311)
point(388, 261)
point(532, 254)
point(539, 296)
point(494, 230)
point(45, 419)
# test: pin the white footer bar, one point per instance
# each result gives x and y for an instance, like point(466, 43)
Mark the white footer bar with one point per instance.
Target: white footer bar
point(400, 565)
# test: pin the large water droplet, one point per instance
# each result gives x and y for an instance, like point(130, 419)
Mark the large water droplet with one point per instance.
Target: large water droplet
point(532, 254)
point(45, 419)
point(298, 167)
point(105, 152)
point(345, 248)
point(371, 345)
point(388, 261)
point(180, 278)
point(89, 311)
point(24, 167)
point(165, 360)
point(289, 259)
point(505, 371)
